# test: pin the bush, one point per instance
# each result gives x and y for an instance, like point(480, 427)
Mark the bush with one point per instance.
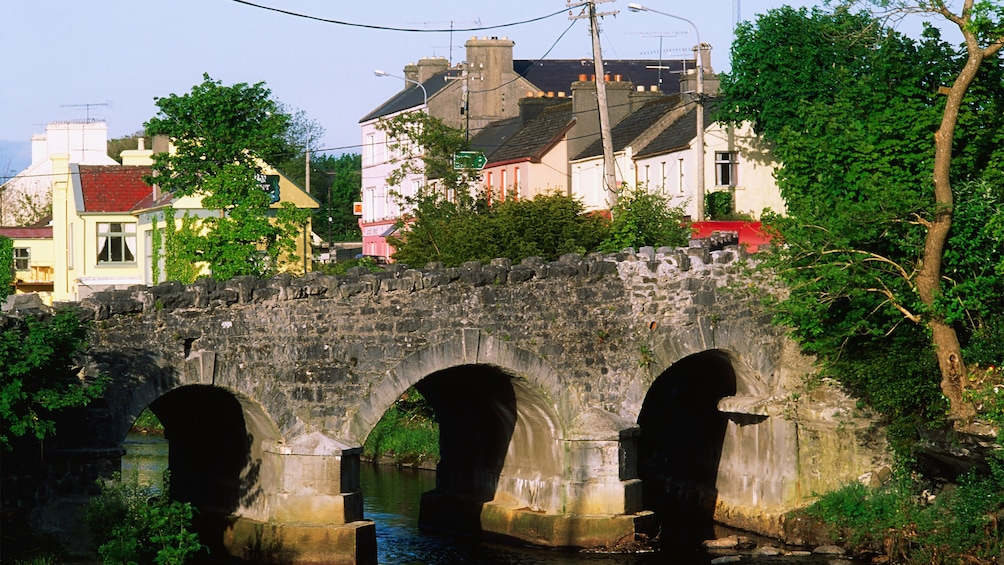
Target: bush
point(643, 218)
point(135, 523)
point(960, 526)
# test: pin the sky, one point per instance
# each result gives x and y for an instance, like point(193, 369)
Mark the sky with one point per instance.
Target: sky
point(109, 59)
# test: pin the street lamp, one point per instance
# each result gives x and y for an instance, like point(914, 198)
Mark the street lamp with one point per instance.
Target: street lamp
point(700, 104)
point(425, 93)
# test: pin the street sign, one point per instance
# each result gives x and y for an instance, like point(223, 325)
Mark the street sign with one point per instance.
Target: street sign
point(469, 160)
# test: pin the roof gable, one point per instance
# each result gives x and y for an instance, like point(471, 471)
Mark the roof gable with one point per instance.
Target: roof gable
point(634, 125)
point(679, 134)
point(538, 135)
point(112, 188)
point(412, 96)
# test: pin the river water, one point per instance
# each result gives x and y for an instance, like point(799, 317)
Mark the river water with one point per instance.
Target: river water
point(391, 500)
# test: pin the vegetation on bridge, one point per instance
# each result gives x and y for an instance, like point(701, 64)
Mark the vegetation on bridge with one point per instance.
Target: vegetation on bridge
point(39, 375)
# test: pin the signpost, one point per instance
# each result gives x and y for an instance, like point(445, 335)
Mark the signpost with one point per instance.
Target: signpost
point(469, 160)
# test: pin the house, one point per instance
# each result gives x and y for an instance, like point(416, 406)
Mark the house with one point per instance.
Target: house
point(627, 136)
point(485, 91)
point(26, 197)
point(736, 161)
point(100, 233)
point(34, 258)
point(527, 156)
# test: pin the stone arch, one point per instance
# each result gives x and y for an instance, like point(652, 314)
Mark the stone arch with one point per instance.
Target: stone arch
point(753, 354)
point(681, 441)
point(217, 442)
point(472, 347)
point(501, 436)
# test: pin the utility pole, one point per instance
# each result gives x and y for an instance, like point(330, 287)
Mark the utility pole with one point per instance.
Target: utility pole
point(609, 177)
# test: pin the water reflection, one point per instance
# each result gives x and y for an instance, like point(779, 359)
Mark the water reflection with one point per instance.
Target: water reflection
point(391, 499)
point(146, 456)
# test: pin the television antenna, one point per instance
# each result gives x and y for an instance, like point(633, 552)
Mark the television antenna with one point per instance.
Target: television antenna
point(660, 35)
point(476, 22)
point(87, 109)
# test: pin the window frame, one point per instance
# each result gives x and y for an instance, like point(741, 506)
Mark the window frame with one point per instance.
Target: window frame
point(26, 258)
point(110, 253)
point(726, 163)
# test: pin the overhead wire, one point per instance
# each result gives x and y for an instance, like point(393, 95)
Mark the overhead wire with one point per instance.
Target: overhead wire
point(392, 28)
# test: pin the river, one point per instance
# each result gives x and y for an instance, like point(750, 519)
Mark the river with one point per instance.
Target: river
point(391, 500)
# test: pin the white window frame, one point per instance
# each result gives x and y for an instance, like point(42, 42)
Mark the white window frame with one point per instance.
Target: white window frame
point(726, 165)
point(122, 253)
point(22, 258)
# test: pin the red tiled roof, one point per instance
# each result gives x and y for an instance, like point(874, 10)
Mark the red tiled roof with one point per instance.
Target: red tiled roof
point(30, 232)
point(113, 188)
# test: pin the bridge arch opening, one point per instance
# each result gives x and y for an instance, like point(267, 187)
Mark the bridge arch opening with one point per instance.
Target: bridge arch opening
point(214, 454)
point(681, 444)
point(499, 443)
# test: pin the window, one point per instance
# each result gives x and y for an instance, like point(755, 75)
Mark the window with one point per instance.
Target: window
point(22, 255)
point(370, 147)
point(116, 243)
point(725, 168)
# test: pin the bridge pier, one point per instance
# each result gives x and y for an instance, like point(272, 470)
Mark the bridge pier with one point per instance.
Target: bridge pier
point(590, 499)
point(305, 508)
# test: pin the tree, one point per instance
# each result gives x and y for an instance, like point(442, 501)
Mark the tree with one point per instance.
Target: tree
point(982, 27)
point(338, 182)
point(39, 375)
point(850, 108)
point(222, 135)
point(426, 145)
point(642, 218)
point(6, 267)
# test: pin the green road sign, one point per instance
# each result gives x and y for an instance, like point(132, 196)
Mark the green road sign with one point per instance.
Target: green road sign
point(469, 160)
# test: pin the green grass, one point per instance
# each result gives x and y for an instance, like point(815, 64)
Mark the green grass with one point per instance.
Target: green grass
point(147, 423)
point(407, 433)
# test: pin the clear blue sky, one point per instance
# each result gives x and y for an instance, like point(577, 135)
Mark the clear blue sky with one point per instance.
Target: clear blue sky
point(62, 52)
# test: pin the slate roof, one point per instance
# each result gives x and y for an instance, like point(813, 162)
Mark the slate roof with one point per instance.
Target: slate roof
point(679, 134)
point(494, 135)
point(113, 188)
point(548, 75)
point(536, 136)
point(411, 96)
point(633, 125)
point(557, 75)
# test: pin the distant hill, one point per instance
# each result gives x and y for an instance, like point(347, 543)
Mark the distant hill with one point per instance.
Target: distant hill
point(15, 156)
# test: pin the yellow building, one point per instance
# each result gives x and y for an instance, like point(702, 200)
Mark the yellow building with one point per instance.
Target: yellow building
point(33, 258)
point(101, 230)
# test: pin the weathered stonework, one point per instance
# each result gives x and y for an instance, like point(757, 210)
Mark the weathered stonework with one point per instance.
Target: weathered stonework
point(545, 365)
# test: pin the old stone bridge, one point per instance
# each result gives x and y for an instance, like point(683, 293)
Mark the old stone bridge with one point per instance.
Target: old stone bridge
point(574, 398)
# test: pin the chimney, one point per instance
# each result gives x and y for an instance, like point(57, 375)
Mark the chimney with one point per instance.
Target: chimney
point(429, 67)
point(585, 110)
point(411, 71)
point(489, 66)
point(688, 81)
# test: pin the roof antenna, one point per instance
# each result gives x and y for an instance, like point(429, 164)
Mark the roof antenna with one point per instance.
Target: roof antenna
point(87, 108)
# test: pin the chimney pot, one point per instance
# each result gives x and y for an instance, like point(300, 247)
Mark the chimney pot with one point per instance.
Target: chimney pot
point(582, 77)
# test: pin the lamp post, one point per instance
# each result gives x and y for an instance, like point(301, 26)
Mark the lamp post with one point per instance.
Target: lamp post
point(700, 104)
point(425, 93)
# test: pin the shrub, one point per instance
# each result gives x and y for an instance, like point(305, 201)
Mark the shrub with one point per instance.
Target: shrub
point(407, 431)
point(643, 218)
point(135, 523)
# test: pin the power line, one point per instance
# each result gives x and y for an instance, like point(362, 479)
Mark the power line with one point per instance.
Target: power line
point(390, 28)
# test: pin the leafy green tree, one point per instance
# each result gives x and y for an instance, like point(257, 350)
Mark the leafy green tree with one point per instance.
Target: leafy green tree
point(6, 266)
point(222, 134)
point(119, 144)
point(850, 108)
point(338, 182)
point(642, 218)
point(38, 374)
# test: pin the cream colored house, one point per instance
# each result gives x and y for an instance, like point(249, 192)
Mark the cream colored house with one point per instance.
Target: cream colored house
point(33, 258)
point(102, 222)
point(150, 212)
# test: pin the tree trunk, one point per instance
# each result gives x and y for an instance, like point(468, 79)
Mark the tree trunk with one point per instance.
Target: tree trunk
point(946, 342)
